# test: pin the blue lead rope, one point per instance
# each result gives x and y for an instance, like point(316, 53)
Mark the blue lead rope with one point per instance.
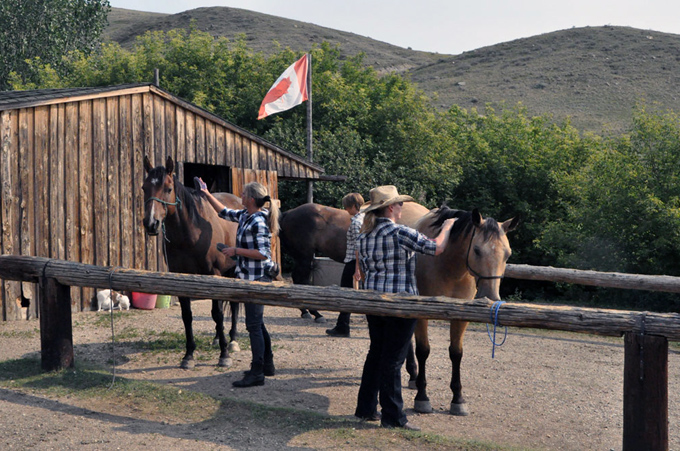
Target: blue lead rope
point(494, 319)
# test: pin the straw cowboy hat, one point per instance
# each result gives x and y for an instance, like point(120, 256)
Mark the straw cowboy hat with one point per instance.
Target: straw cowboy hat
point(384, 196)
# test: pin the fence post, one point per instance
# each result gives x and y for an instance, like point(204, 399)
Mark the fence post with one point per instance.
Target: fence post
point(645, 392)
point(56, 327)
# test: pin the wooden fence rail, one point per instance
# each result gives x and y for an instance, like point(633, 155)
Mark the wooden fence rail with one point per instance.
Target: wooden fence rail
point(668, 284)
point(645, 425)
point(607, 322)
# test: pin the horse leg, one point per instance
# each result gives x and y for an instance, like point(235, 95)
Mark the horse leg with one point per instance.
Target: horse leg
point(318, 317)
point(411, 367)
point(458, 404)
point(218, 317)
point(233, 344)
point(187, 318)
point(223, 307)
point(422, 402)
point(302, 276)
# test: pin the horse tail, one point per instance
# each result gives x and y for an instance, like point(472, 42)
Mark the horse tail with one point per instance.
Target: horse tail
point(273, 220)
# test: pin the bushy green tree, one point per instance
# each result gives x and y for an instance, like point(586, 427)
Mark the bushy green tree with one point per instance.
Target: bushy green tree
point(45, 30)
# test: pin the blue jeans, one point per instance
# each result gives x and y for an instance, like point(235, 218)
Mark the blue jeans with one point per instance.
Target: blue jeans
point(260, 341)
point(346, 282)
point(390, 340)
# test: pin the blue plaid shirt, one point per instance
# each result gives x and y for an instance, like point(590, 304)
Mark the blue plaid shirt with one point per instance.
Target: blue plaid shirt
point(387, 256)
point(352, 235)
point(252, 233)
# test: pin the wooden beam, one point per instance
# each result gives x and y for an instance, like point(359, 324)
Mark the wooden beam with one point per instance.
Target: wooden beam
point(574, 319)
point(667, 284)
point(56, 330)
point(645, 392)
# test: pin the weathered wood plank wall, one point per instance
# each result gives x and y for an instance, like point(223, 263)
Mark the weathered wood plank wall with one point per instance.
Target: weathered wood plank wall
point(71, 172)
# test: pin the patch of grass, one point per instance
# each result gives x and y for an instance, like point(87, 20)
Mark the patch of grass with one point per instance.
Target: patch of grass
point(87, 381)
point(20, 333)
point(91, 387)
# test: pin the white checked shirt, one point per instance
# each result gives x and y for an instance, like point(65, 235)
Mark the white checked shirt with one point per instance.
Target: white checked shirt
point(252, 233)
point(352, 236)
point(387, 256)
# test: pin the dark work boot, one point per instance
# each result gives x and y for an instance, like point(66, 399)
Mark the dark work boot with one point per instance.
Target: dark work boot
point(269, 368)
point(252, 378)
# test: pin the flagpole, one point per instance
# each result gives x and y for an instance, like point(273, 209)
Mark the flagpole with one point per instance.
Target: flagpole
point(310, 153)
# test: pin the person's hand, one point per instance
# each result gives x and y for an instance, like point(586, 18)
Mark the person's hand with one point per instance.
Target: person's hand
point(357, 275)
point(448, 223)
point(202, 184)
point(229, 251)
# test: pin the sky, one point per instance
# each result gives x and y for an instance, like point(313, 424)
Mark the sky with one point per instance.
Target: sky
point(447, 26)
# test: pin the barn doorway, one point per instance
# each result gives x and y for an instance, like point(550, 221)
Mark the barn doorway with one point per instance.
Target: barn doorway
point(218, 178)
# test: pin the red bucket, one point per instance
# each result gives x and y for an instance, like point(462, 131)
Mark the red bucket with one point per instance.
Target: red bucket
point(143, 301)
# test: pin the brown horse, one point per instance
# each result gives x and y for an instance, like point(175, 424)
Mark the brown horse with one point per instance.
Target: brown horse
point(191, 230)
point(313, 229)
point(472, 266)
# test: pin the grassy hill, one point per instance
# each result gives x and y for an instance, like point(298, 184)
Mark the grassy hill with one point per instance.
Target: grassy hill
point(594, 75)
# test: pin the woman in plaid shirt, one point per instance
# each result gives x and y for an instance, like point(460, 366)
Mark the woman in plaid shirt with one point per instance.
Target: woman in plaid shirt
point(387, 257)
point(253, 257)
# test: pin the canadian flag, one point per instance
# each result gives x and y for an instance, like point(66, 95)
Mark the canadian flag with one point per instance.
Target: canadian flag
point(289, 90)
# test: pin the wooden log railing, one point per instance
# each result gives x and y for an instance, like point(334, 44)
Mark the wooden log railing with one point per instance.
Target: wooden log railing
point(646, 333)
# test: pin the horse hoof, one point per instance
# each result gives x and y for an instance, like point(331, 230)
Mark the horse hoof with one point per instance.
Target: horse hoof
point(234, 347)
point(460, 410)
point(306, 315)
point(422, 406)
point(412, 385)
point(187, 364)
point(320, 320)
point(225, 362)
point(215, 343)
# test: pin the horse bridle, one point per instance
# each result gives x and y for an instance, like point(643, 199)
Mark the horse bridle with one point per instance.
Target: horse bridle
point(467, 263)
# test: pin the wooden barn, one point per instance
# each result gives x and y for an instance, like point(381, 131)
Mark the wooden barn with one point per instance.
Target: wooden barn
point(71, 172)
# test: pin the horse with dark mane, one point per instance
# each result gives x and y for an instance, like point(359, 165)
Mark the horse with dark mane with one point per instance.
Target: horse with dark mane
point(312, 229)
point(191, 230)
point(472, 266)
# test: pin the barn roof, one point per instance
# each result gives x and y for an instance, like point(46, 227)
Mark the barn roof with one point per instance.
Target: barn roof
point(11, 100)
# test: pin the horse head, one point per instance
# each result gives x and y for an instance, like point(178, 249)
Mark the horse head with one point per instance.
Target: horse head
point(478, 249)
point(488, 252)
point(160, 197)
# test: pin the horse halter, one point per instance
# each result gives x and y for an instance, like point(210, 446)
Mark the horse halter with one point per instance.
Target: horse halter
point(467, 263)
point(177, 202)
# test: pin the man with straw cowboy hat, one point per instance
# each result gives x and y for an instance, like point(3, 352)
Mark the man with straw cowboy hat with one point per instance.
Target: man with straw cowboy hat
point(386, 255)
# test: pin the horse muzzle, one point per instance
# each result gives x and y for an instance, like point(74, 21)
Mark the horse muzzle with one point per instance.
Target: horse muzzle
point(152, 227)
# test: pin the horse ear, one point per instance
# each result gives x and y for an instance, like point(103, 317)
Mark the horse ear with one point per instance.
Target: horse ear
point(476, 217)
point(147, 164)
point(511, 224)
point(169, 165)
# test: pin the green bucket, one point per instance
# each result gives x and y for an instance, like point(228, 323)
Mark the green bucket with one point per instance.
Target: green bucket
point(163, 301)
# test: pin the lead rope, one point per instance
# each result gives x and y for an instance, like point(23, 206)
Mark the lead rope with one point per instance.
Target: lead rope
point(113, 333)
point(494, 319)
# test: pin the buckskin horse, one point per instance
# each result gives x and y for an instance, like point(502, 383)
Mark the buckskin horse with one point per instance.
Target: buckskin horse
point(471, 267)
point(191, 230)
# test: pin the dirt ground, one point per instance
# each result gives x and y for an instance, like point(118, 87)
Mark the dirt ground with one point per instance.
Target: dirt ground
point(543, 390)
